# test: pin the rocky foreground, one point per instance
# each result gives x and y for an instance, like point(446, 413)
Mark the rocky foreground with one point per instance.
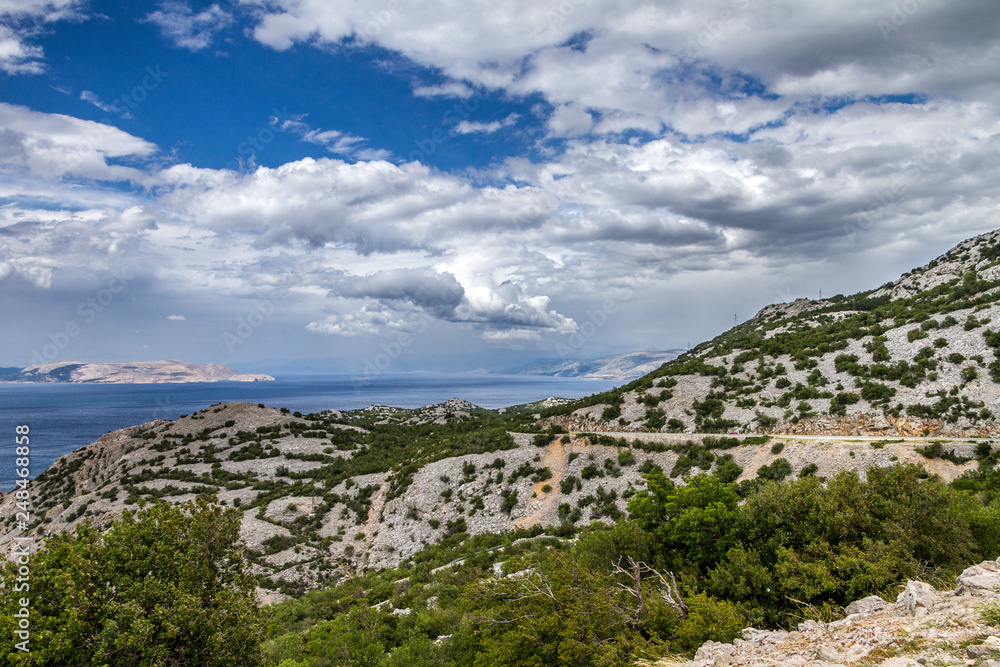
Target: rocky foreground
point(923, 627)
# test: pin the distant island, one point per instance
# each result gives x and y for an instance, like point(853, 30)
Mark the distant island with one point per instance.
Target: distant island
point(621, 366)
point(138, 372)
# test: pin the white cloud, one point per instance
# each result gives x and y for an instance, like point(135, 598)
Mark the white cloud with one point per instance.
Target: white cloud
point(20, 21)
point(188, 30)
point(334, 141)
point(470, 127)
point(695, 67)
point(369, 320)
point(688, 156)
point(570, 120)
point(508, 335)
point(92, 98)
point(53, 145)
point(449, 89)
point(176, 318)
point(16, 56)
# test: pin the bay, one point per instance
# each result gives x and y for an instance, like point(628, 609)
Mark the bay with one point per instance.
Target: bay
point(65, 417)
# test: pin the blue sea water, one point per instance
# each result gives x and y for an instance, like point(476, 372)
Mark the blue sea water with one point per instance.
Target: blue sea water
point(65, 417)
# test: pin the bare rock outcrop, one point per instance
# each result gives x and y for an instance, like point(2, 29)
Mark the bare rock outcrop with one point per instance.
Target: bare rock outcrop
point(924, 627)
point(982, 579)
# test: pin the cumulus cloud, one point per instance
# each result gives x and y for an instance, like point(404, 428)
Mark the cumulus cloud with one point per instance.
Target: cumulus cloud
point(369, 320)
point(570, 120)
point(176, 318)
point(40, 147)
point(20, 22)
point(697, 68)
point(687, 152)
point(442, 296)
point(437, 293)
point(188, 30)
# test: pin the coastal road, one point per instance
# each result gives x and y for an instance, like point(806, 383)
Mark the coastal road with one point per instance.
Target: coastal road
point(848, 438)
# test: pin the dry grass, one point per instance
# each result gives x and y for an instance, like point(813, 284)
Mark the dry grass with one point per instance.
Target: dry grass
point(669, 661)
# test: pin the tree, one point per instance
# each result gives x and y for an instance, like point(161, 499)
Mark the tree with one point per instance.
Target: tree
point(693, 522)
point(557, 613)
point(163, 587)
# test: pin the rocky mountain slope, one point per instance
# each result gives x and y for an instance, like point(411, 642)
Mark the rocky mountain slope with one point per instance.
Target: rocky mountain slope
point(924, 626)
point(915, 356)
point(139, 372)
point(328, 495)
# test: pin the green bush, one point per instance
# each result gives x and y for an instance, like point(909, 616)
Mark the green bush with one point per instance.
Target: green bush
point(708, 619)
point(568, 484)
point(778, 470)
point(166, 586)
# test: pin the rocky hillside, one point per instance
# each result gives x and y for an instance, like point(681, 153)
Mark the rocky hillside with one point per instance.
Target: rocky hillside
point(914, 357)
point(139, 372)
point(924, 626)
point(331, 494)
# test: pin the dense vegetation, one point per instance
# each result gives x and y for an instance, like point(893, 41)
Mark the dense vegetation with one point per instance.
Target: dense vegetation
point(795, 549)
point(164, 587)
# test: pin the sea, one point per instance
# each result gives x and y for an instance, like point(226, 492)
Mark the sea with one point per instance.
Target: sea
point(63, 417)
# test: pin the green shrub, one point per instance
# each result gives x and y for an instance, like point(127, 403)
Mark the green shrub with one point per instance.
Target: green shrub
point(726, 469)
point(708, 619)
point(568, 484)
point(778, 470)
point(876, 392)
point(626, 458)
point(808, 470)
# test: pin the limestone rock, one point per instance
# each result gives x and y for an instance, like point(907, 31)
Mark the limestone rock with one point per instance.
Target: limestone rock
point(916, 597)
point(867, 605)
point(981, 579)
point(716, 653)
point(981, 651)
point(827, 654)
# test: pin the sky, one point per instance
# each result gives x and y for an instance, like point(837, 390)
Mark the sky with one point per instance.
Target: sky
point(389, 186)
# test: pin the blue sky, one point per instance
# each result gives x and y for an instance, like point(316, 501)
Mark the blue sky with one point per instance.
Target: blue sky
point(300, 185)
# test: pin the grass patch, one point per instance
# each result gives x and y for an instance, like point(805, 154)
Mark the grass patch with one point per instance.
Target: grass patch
point(991, 614)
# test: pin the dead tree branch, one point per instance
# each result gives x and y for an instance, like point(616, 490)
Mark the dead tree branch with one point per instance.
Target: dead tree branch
point(636, 571)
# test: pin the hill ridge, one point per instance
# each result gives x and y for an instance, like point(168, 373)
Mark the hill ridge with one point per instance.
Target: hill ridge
point(914, 356)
